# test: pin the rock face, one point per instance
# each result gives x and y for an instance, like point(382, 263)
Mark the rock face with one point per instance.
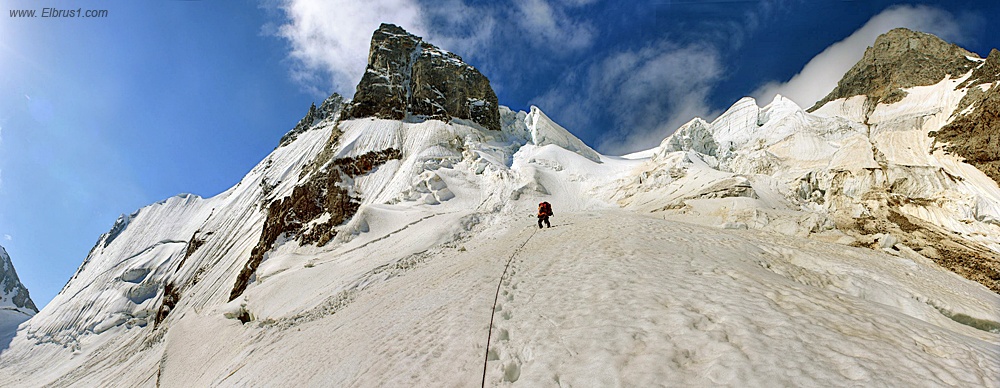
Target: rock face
point(988, 72)
point(15, 294)
point(899, 59)
point(975, 135)
point(407, 76)
point(325, 193)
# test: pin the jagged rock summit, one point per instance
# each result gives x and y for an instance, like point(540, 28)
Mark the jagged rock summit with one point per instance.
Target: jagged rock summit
point(14, 293)
point(15, 303)
point(407, 77)
point(901, 59)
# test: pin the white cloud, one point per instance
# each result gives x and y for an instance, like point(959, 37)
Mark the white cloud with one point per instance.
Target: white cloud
point(331, 38)
point(647, 93)
point(458, 27)
point(7, 237)
point(551, 27)
point(655, 91)
point(820, 75)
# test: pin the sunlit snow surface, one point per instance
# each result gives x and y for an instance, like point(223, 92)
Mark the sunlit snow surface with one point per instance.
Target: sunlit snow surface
point(606, 297)
point(603, 298)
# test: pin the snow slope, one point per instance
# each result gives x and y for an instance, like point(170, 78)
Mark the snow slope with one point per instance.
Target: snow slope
point(672, 302)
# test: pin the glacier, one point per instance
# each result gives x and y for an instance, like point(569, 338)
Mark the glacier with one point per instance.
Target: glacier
point(770, 247)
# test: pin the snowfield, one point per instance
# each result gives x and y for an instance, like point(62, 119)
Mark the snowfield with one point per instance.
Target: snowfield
point(604, 298)
point(710, 260)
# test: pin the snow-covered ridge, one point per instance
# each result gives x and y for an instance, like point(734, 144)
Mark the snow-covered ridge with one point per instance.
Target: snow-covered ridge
point(544, 131)
point(846, 172)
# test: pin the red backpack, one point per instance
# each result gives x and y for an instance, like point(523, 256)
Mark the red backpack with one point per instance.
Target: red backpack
point(544, 209)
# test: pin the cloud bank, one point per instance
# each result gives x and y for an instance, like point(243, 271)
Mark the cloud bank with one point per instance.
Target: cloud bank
point(820, 75)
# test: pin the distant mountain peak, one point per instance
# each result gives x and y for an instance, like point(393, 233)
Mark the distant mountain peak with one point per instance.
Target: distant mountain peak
point(407, 76)
point(12, 292)
point(900, 59)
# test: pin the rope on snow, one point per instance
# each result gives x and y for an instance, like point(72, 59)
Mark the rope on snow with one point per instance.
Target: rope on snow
point(496, 297)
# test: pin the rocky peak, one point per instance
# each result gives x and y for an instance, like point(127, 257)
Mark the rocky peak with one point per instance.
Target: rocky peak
point(407, 76)
point(900, 59)
point(328, 110)
point(13, 292)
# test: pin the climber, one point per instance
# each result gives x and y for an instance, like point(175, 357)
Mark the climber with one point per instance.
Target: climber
point(544, 212)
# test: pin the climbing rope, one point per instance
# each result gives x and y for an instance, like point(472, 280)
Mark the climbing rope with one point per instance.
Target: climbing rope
point(496, 297)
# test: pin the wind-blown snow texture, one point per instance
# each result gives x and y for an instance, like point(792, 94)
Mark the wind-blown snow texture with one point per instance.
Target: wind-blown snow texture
point(770, 247)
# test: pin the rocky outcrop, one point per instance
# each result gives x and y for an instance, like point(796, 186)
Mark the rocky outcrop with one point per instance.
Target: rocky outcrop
point(974, 133)
point(171, 295)
point(969, 259)
point(14, 293)
point(326, 193)
point(986, 73)
point(976, 136)
point(328, 110)
point(903, 59)
point(900, 59)
point(408, 77)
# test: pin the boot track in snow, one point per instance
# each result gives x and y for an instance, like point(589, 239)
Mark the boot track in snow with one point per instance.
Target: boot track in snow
point(496, 297)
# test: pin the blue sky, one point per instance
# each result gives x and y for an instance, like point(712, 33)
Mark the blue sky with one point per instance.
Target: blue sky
point(101, 116)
